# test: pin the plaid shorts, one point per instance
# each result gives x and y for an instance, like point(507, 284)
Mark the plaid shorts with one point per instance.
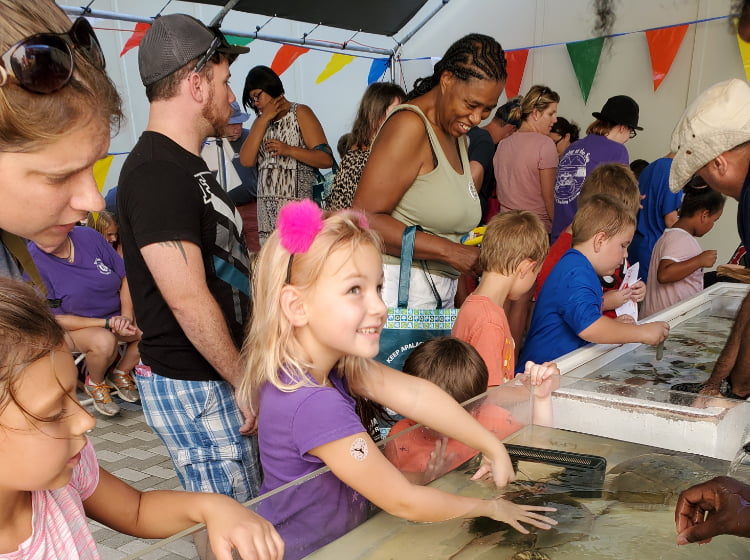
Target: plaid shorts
point(199, 423)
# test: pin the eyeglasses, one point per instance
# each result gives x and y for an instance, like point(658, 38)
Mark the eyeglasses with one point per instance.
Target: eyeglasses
point(212, 48)
point(44, 62)
point(633, 132)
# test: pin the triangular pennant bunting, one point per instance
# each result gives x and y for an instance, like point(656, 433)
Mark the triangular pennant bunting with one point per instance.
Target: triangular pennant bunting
point(285, 56)
point(101, 168)
point(745, 54)
point(585, 58)
point(337, 62)
point(377, 69)
point(516, 64)
point(663, 45)
point(135, 39)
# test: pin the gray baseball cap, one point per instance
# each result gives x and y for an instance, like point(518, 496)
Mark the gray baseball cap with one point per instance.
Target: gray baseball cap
point(174, 40)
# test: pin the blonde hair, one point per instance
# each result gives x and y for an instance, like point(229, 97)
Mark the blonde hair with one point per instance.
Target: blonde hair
point(511, 238)
point(537, 99)
point(28, 120)
point(270, 345)
point(601, 213)
point(614, 179)
point(101, 221)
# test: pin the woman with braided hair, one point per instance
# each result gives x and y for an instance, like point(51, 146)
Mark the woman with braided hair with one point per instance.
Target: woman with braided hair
point(418, 171)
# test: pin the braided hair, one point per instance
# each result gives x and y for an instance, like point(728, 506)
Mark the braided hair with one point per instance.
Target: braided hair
point(473, 56)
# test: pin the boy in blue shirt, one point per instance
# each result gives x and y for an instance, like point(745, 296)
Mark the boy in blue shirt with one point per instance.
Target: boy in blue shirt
point(568, 314)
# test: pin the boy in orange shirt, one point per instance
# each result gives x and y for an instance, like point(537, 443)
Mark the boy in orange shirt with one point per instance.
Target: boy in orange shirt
point(513, 248)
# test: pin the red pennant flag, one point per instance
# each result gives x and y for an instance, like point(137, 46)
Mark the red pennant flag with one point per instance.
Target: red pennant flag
point(285, 56)
point(516, 66)
point(136, 38)
point(663, 45)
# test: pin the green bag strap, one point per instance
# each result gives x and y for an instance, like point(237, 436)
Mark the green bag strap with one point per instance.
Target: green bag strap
point(404, 276)
point(17, 248)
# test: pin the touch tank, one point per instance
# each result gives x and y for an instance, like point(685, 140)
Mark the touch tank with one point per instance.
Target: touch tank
point(617, 449)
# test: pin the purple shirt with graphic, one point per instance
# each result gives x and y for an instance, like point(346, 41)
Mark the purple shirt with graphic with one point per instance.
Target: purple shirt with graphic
point(290, 424)
point(578, 161)
point(90, 285)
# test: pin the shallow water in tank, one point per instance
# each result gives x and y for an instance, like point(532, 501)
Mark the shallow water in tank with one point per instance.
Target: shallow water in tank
point(603, 526)
point(689, 356)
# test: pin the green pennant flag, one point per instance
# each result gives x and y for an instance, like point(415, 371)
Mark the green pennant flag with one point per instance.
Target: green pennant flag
point(241, 41)
point(585, 58)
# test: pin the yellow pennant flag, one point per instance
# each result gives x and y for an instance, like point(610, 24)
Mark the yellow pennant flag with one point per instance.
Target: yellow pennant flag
point(337, 62)
point(101, 168)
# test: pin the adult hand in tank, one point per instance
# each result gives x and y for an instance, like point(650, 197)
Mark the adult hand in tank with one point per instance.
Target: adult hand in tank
point(720, 506)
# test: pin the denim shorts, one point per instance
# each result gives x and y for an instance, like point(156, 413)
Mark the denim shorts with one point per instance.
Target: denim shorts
point(199, 423)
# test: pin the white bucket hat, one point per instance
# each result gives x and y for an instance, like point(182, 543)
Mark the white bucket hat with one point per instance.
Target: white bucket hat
point(717, 121)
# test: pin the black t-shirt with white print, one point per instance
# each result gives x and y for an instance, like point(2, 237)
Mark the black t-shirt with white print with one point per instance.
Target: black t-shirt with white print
point(168, 194)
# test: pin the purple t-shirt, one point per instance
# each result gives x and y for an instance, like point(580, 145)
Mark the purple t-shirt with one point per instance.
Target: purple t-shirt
point(90, 285)
point(578, 161)
point(318, 511)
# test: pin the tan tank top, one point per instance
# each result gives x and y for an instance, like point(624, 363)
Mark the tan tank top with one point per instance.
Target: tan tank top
point(442, 202)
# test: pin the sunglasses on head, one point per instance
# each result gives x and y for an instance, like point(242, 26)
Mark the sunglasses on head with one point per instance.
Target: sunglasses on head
point(44, 62)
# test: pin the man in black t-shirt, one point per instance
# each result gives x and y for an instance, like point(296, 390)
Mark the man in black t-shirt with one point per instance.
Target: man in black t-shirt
point(187, 262)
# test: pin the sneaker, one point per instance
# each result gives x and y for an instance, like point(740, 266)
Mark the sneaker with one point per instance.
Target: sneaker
point(122, 383)
point(103, 402)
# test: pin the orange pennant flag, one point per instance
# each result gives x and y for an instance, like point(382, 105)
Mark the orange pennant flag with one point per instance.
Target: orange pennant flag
point(663, 45)
point(136, 38)
point(285, 56)
point(516, 65)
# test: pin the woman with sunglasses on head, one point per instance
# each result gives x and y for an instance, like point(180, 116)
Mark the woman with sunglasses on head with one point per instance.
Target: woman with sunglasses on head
point(615, 124)
point(286, 142)
point(418, 171)
point(57, 110)
point(526, 162)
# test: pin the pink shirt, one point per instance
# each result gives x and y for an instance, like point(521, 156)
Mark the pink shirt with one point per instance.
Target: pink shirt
point(517, 161)
point(59, 525)
point(677, 245)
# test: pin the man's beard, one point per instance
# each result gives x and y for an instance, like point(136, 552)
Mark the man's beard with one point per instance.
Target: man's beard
point(210, 113)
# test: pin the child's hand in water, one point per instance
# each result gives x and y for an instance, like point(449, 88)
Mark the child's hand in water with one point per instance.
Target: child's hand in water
point(232, 526)
point(499, 470)
point(515, 514)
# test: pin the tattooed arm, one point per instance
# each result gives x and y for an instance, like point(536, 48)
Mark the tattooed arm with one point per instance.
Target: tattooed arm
point(177, 268)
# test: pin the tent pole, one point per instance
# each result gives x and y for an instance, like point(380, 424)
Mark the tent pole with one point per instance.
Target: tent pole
point(78, 11)
point(421, 24)
point(218, 18)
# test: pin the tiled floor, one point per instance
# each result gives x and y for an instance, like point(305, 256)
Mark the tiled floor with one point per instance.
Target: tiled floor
point(127, 448)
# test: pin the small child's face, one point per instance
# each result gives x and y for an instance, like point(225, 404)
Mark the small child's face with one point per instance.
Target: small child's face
point(613, 251)
point(40, 455)
point(345, 310)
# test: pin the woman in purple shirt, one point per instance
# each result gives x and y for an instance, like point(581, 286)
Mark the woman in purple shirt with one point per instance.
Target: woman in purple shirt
point(88, 292)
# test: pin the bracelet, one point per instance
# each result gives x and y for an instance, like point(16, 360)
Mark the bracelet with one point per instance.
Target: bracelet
point(106, 323)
